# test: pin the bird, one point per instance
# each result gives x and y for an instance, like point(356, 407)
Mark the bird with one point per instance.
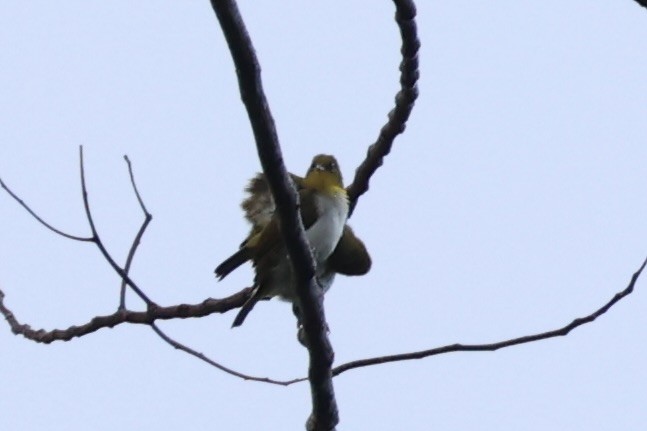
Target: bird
point(323, 209)
point(350, 257)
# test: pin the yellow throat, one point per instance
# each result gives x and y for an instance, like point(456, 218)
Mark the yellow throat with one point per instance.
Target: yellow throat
point(324, 176)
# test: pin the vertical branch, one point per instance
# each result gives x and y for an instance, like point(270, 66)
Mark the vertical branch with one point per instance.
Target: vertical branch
point(405, 15)
point(324, 407)
point(137, 240)
point(97, 239)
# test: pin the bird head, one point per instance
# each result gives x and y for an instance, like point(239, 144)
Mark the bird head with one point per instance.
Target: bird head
point(324, 175)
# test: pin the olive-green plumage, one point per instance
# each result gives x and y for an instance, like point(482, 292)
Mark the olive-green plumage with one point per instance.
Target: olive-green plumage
point(323, 210)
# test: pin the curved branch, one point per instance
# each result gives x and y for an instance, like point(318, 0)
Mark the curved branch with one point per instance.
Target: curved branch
point(39, 219)
point(405, 16)
point(498, 345)
point(309, 297)
point(96, 239)
point(202, 357)
point(137, 240)
point(149, 317)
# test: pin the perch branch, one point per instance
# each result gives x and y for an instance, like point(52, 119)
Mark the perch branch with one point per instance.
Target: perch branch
point(180, 311)
point(324, 414)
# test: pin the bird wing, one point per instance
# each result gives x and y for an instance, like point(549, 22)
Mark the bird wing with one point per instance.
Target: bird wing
point(259, 205)
point(270, 236)
point(350, 257)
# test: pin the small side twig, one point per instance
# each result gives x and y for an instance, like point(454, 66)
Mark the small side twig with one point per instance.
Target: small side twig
point(39, 219)
point(137, 240)
point(177, 345)
point(96, 239)
point(149, 317)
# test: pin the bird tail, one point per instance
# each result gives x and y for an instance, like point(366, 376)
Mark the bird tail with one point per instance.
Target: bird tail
point(245, 309)
point(232, 262)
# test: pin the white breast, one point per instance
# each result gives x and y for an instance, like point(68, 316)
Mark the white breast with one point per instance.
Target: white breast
point(323, 237)
point(325, 233)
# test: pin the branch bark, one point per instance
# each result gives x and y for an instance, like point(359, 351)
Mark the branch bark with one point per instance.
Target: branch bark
point(405, 15)
point(565, 330)
point(179, 311)
point(324, 414)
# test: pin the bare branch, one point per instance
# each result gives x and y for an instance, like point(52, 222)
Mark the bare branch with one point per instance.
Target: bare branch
point(309, 297)
point(207, 307)
point(498, 345)
point(137, 240)
point(39, 219)
point(404, 100)
point(97, 239)
point(642, 3)
point(215, 364)
point(180, 311)
point(132, 182)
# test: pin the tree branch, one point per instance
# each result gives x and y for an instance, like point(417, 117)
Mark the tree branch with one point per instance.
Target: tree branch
point(181, 311)
point(137, 240)
point(96, 239)
point(215, 364)
point(210, 306)
point(642, 3)
point(39, 219)
point(404, 100)
point(309, 297)
point(498, 345)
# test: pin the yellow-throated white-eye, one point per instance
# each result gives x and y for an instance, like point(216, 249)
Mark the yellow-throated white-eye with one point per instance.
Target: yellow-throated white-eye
point(323, 210)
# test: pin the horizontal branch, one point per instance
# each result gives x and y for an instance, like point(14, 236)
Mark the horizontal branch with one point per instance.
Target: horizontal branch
point(148, 317)
point(498, 345)
point(210, 306)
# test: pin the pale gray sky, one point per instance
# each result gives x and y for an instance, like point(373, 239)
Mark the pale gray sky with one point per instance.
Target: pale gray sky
point(514, 202)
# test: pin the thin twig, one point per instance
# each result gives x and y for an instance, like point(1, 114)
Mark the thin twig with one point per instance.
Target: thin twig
point(39, 219)
point(135, 189)
point(137, 240)
point(147, 318)
point(177, 345)
point(97, 239)
point(499, 345)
